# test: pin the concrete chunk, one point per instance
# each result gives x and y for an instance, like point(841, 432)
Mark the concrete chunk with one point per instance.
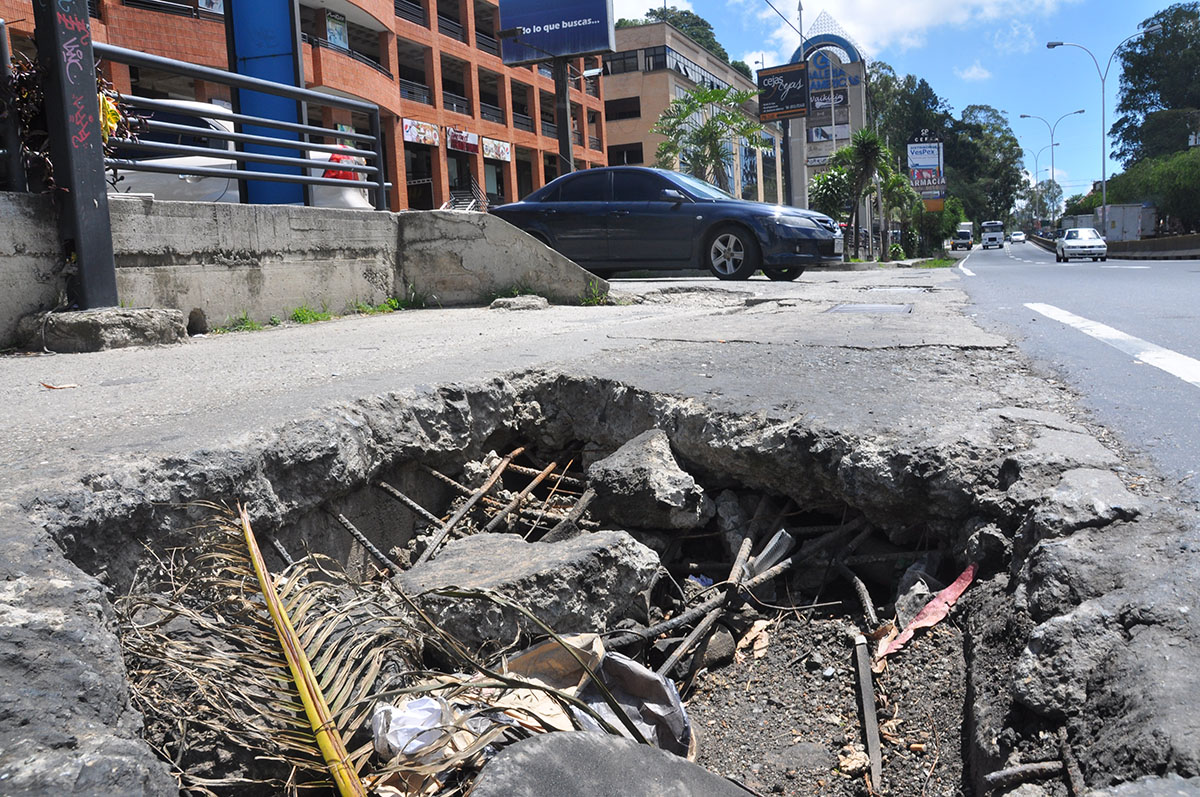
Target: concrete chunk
point(642, 486)
point(587, 583)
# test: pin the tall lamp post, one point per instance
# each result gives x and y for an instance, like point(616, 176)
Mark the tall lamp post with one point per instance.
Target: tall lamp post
point(1052, 128)
point(1103, 132)
point(1036, 170)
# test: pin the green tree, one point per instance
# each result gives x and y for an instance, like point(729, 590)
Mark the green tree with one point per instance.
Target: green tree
point(700, 129)
point(1159, 72)
point(742, 67)
point(863, 159)
point(901, 203)
point(695, 26)
point(829, 193)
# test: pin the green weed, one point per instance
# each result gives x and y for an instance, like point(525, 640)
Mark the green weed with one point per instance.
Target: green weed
point(307, 315)
point(241, 323)
point(594, 295)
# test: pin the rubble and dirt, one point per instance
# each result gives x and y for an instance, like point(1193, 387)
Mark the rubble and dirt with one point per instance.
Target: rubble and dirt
point(1069, 649)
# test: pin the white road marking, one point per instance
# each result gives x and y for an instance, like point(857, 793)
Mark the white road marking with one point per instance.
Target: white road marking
point(1174, 363)
point(963, 268)
point(1124, 267)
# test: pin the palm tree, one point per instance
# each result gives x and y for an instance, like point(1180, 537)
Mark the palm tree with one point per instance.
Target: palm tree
point(700, 130)
point(898, 199)
point(863, 158)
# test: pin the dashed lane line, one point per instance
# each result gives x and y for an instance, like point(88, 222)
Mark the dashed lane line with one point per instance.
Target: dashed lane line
point(1174, 363)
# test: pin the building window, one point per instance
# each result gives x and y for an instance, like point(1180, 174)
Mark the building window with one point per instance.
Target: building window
point(625, 155)
point(617, 63)
point(624, 108)
point(656, 58)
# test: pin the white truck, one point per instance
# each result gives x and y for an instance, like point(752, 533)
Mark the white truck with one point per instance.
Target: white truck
point(992, 233)
point(962, 236)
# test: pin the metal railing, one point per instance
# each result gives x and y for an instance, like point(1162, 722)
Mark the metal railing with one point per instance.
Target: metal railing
point(182, 8)
point(452, 28)
point(492, 113)
point(487, 43)
point(367, 146)
point(417, 92)
point(413, 12)
point(593, 142)
point(549, 129)
point(456, 102)
point(523, 121)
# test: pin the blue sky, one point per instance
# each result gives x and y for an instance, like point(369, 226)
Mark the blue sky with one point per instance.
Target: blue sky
point(990, 52)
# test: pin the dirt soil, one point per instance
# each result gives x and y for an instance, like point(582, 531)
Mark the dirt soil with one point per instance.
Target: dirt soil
point(788, 722)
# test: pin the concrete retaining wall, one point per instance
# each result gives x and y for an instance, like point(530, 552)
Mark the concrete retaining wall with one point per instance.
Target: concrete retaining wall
point(216, 262)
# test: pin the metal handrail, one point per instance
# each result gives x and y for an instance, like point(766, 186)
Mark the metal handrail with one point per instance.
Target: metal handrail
point(487, 43)
point(417, 92)
point(523, 121)
point(346, 51)
point(168, 127)
point(453, 102)
point(452, 28)
point(377, 186)
point(493, 113)
point(413, 12)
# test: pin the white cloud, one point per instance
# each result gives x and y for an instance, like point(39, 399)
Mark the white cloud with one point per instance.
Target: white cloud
point(1017, 37)
point(975, 71)
point(636, 9)
point(883, 25)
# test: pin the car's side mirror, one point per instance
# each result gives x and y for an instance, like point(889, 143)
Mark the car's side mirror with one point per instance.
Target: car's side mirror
point(671, 195)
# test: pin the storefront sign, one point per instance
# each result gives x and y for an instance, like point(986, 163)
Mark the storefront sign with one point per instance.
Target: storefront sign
point(461, 140)
point(821, 100)
point(819, 160)
point(828, 133)
point(421, 133)
point(545, 30)
point(497, 150)
point(783, 92)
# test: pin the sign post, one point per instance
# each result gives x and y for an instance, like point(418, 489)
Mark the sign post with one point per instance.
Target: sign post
point(64, 44)
point(926, 170)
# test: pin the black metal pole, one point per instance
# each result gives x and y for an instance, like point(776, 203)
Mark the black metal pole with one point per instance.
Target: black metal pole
point(14, 166)
point(788, 196)
point(64, 44)
point(562, 110)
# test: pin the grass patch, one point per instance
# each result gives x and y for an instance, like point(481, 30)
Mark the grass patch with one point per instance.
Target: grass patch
point(936, 262)
point(388, 305)
point(241, 323)
point(516, 289)
point(307, 315)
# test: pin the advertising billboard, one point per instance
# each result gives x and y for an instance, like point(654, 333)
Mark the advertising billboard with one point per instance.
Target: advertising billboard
point(548, 30)
point(783, 92)
point(926, 168)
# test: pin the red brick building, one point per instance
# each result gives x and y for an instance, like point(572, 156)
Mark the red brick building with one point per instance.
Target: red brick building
point(455, 118)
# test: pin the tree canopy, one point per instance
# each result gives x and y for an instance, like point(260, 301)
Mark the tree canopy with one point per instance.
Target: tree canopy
point(1160, 86)
point(695, 26)
point(697, 129)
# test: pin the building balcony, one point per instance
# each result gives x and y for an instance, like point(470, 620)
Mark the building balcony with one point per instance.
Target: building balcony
point(487, 43)
point(593, 143)
point(492, 113)
point(456, 102)
point(413, 12)
point(522, 121)
point(549, 129)
point(415, 92)
point(452, 28)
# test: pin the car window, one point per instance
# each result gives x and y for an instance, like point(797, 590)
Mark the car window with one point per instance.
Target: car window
point(637, 187)
point(1072, 235)
point(198, 137)
point(585, 187)
point(1090, 234)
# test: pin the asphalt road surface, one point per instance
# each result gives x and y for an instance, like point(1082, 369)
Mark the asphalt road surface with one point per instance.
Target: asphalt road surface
point(1123, 333)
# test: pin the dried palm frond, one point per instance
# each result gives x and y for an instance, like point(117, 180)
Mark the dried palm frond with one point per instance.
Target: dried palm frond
point(209, 674)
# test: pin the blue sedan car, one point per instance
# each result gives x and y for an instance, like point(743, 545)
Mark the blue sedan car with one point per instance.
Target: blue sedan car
point(626, 217)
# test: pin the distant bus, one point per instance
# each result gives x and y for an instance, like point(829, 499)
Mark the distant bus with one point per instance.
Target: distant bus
point(992, 234)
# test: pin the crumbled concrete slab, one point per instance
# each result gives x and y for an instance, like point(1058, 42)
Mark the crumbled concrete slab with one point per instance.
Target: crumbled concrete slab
point(1084, 497)
point(523, 302)
point(641, 486)
point(78, 331)
point(587, 583)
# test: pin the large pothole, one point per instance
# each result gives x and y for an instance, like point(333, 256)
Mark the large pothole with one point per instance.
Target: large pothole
point(370, 483)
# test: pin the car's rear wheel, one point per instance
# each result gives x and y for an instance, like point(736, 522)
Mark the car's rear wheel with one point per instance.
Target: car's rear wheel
point(731, 253)
point(1104, 259)
point(783, 274)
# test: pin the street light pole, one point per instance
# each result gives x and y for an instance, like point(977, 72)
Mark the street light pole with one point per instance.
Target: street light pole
point(1103, 101)
point(1052, 128)
point(1036, 170)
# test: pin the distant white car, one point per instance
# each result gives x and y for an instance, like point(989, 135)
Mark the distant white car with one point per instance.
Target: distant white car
point(1080, 242)
point(196, 188)
point(1018, 237)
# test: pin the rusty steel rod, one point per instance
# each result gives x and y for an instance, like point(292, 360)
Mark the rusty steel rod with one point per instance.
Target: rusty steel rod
point(521, 496)
point(427, 554)
point(379, 555)
point(417, 509)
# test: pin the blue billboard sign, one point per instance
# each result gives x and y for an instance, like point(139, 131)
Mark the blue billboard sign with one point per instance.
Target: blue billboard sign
point(542, 30)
